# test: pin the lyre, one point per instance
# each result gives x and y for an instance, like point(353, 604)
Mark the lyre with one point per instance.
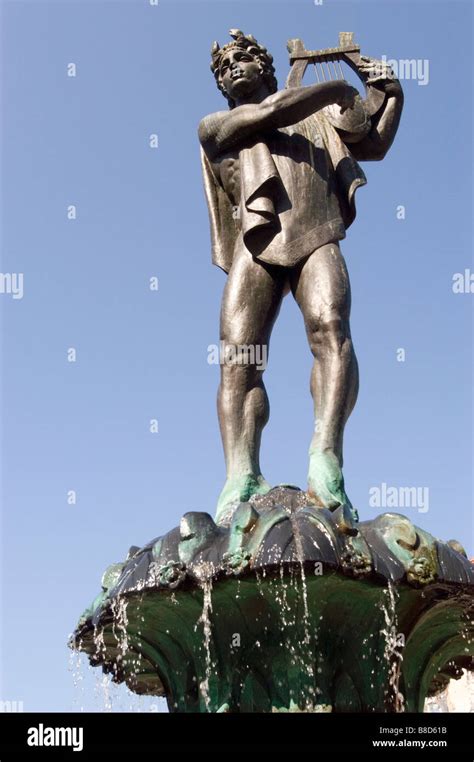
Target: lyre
point(327, 65)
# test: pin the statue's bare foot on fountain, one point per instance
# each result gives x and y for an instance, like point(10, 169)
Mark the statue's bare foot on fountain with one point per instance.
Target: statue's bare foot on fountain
point(240, 489)
point(326, 482)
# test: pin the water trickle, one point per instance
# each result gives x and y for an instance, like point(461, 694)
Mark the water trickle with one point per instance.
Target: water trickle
point(102, 682)
point(106, 693)
point(205, 580)
point(300, 557)
point(99, 642)
point(393, 651)
point(305, 656)
point(120, 624)
point(77, 665)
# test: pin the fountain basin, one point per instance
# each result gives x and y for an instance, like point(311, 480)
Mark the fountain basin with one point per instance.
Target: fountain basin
point(285, 607)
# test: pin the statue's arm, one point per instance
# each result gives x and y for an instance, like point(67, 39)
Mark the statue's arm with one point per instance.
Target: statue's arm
point(225, 129)
point(377, 142)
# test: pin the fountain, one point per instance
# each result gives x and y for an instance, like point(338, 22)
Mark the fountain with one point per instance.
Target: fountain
point(285, 607)
point(287, 603)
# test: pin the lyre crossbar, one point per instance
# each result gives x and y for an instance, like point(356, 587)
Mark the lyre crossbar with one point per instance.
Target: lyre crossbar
point(327, 66)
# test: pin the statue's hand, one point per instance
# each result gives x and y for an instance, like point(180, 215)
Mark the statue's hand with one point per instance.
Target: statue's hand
point(347, 97)
point(377, 72)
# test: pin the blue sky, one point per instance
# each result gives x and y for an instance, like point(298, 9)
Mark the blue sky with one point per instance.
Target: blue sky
point(142, 355)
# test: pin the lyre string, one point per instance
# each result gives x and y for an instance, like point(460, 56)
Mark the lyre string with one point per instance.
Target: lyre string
point(337, 62)
point(340, 68)
point(324, 73)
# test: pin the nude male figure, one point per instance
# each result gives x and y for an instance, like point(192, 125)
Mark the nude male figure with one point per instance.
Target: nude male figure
point(279, 178)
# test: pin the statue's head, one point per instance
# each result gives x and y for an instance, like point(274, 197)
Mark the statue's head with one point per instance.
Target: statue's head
point(242, 67)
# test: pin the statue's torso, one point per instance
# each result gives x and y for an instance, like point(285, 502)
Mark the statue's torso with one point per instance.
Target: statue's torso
point(306, 203)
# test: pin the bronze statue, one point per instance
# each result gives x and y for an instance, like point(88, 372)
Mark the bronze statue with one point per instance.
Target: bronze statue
point(382, 617)
point(280, 173)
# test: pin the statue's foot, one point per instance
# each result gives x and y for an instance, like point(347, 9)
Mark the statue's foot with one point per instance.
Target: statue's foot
point(240, 489)
point(326, 482)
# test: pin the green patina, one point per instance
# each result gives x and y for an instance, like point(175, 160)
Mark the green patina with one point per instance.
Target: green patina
point(287, 608)
point(269, 651)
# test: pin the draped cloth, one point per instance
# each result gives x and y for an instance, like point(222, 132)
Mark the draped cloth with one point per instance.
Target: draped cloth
point(265, 181)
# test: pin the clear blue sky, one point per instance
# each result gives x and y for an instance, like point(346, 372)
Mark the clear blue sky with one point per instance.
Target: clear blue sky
point(141, 212)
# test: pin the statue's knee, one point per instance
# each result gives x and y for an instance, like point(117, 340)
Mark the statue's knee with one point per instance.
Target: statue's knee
point(331, 332)
point(245, 362)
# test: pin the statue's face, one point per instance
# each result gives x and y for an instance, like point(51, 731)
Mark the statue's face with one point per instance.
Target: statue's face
point(240, 73)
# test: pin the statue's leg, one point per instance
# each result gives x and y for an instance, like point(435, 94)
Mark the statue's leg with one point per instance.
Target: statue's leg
point(250, 305)
point(321, 288)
